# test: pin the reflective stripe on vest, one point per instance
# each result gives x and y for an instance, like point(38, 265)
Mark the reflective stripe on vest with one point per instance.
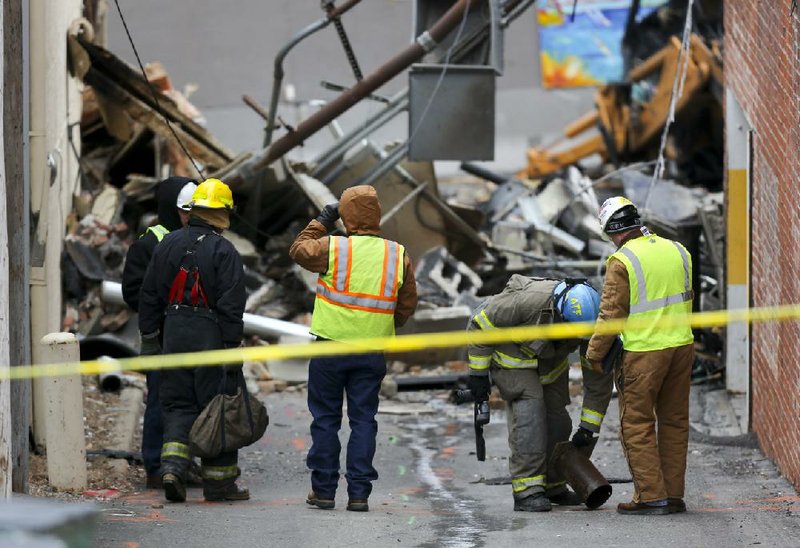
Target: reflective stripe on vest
point(644, 304)
point(159, 231)
point(357, 296)
point(660, 274)
point(339, 293)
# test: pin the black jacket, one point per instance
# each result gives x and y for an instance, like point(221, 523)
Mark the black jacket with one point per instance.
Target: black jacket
point(140, 251)
point(221, 273)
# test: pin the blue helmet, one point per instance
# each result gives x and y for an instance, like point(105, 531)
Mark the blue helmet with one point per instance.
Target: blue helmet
point(576, 302)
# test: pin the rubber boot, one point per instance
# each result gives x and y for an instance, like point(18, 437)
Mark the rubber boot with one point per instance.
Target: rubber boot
point(535, 503)
point(174, 488)
point(566, 498)
point(220, 490)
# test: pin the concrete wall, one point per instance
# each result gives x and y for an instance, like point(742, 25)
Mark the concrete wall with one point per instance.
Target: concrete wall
point(228, 50)
point(762, 43)
point(54, 108)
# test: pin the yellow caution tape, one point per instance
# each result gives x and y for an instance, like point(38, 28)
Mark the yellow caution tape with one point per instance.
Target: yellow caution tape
point(404, 343)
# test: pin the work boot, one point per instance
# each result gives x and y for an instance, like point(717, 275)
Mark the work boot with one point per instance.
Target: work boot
point(566, 498)
point(534, 503)
point(222, 490)
point(174, 489)
point(358, 505)
point(676, 505)
point(641, 509)
point(324, 504)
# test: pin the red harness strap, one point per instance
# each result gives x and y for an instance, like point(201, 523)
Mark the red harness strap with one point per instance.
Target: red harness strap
point(178, 285)
point(179, 282)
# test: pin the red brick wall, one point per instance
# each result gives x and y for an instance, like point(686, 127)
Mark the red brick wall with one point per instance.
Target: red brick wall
point(762, 69)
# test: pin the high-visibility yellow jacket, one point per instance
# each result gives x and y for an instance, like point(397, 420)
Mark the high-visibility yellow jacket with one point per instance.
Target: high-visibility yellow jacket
point(660, 277)
point(357, 295)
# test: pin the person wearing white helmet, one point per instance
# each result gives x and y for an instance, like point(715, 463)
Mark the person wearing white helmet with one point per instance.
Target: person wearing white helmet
point(532, 377)
point(648, 279)
point(172, 196)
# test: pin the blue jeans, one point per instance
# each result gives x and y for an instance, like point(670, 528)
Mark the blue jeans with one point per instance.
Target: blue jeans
point(328, 380)
point(153, 429)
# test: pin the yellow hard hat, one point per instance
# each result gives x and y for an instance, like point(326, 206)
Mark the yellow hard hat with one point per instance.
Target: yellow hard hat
point(212, 194)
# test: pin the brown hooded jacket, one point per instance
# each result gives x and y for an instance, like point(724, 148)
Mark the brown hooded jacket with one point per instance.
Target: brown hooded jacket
point(360, 212)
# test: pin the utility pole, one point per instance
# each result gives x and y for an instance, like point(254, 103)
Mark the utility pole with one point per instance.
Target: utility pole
point(5, 386)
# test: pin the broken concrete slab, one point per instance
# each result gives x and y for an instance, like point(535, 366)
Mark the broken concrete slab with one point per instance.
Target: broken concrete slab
point(107, 205)
point(441, 278)
point(293, 371)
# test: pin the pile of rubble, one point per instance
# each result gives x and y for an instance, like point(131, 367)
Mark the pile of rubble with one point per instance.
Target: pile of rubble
point(465, 237)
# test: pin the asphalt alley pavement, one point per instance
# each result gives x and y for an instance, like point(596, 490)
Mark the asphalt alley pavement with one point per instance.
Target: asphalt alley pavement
point(433, 492)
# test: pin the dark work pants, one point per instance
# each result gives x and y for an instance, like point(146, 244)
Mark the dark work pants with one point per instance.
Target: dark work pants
point(329, 379)
point(184, 394)
point(153, 428)
point(537, 420)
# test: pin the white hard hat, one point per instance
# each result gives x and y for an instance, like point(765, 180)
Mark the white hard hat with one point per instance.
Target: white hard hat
point(185, 196)
point(610, 208)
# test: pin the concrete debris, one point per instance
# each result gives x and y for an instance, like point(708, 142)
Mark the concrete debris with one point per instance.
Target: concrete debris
point(441, 278)
point(465, 236)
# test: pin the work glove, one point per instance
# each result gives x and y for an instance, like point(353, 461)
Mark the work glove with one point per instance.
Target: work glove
point(150, 345)
point(582, 437)
point(329, 215)
point(480, 386)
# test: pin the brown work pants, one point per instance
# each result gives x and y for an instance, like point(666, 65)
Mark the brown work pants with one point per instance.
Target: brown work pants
point(537, 420)
point(654, 390)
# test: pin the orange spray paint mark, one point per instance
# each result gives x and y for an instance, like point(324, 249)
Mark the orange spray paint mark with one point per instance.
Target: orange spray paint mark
point(299, 443)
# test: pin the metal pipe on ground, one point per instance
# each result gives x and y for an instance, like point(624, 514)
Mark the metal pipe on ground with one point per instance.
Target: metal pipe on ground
point(581, 474)
point(262, 326)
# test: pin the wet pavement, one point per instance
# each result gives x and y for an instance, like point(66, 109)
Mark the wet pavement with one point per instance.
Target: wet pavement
point(433, 492)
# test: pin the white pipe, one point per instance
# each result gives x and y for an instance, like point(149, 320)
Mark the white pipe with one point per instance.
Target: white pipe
point(262, 326)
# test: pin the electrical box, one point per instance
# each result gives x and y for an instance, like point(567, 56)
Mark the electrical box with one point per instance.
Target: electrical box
point(451, 112)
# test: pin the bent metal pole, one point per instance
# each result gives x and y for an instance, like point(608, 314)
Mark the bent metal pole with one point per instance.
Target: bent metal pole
point(424, 43)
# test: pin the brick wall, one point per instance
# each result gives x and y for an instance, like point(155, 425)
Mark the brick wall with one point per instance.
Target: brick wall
point(762, 69)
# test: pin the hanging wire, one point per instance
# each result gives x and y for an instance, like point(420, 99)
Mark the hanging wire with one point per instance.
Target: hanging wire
point(442, 75)
point(155, 96)
point(677, 92)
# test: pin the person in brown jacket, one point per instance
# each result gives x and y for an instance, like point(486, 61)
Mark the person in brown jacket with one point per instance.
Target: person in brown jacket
point(365, 288)
point(648, 280)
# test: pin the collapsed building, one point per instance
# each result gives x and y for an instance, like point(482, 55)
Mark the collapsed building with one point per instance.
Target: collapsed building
point(466, 236)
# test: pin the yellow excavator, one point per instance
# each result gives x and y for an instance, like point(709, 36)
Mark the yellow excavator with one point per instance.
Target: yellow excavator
point(628, 128)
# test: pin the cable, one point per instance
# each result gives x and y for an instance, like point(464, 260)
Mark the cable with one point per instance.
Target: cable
point(153, 92)
point(677, 92)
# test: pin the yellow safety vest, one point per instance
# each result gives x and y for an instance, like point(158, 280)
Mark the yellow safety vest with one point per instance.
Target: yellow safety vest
point(159, 231)
point(660, 275)
point(357, 296)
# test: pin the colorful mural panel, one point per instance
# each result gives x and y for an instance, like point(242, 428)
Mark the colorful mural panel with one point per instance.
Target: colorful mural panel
point(586, 51)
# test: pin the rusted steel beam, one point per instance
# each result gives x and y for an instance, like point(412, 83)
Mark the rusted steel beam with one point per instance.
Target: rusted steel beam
point(424, 43)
